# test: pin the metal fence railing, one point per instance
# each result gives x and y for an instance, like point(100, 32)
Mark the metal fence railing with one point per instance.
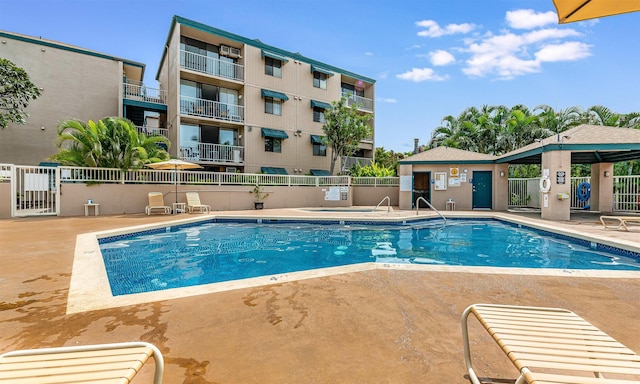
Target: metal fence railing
point(626, 193)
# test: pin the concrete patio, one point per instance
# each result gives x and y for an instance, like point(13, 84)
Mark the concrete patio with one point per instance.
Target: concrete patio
point(379, 326)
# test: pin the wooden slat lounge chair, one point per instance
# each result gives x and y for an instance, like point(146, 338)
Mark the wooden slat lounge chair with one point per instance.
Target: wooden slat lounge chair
point(102, 363)
point(156, 204)
point(194, 204)
point(617, 222)
point(552, 346)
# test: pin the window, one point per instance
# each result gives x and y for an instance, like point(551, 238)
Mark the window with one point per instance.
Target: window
point(273, 106)
point(319, 80)
point(272, 144)
point(272, 67)
point(318, 115)
point(319, 149)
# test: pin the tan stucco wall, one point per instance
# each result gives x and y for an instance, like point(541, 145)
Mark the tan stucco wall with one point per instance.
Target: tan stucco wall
point(461, 195)
point(371, 196)
point(554, 208)
point(5, 200)
point(74, 86)
point(602, 187)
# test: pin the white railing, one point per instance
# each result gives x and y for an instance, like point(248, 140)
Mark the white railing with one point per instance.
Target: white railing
point(376, 181)
point(522, 192)
point(212, 109)
point(153, 131)
point(140, 92)
point(626, 193)
point(348, 162)
point(211, 66)
point(362, 103)
point(213, 152)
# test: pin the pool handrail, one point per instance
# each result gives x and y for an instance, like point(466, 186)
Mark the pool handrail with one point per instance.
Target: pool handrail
point(388, 204)
point(431, 206)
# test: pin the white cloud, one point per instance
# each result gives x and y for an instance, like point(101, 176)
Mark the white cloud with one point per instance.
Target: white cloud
point(529, 19)
point(433, 29)
point(548, 34)
point(441, 57)
point(387, 100)
point(421, 74)
point(569, 51)
point(368, 53)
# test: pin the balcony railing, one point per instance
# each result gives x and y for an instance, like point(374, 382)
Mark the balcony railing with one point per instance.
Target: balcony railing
point(153, 131)
point(212, 109)
point(348, 162)
point(362, 103)
point(216, 153)
point(140, 92)
point(211, 66)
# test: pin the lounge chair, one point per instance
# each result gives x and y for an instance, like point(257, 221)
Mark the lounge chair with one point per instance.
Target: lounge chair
point(617, 222)
point(156, 204)
point(193, 203)
point(552, 346)
point(108, 363)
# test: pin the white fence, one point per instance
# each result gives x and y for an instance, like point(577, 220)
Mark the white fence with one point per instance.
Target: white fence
point(525, 192)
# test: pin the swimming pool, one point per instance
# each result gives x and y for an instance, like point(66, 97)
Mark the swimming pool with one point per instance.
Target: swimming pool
point(220, 250)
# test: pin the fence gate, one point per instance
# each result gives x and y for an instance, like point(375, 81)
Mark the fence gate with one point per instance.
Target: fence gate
point(35, 191)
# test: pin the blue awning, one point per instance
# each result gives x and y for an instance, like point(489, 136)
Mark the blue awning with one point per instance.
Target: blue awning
point(319, 172)
point(320, 104)
point(275, 133)
point(316, 139)
point(274, 56)
point(321, 70)
point(274, 170)
point(274, 94)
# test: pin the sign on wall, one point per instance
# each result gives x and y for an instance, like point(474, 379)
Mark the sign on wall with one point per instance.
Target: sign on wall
point(440, 183)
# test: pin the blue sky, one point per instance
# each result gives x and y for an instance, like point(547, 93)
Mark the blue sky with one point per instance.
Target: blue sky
point(431, 58)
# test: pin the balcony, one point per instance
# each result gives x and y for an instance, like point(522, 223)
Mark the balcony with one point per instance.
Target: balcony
point(213, 153)
point(140, 92)
point(211, 66)
point(211, 109)
point(348, 162)
point(362, 103)
point(153, 131)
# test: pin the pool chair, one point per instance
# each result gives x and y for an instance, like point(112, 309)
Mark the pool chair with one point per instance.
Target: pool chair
point(193, 203)
point(619, 222)
point(156, 204)
point(101, 363)
point(552, 346)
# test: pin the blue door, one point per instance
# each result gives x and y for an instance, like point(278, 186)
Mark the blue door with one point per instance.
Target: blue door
point(482, 191)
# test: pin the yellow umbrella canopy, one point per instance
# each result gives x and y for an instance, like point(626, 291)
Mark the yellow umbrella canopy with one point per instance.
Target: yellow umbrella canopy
point(570, 11)
point(174, 164)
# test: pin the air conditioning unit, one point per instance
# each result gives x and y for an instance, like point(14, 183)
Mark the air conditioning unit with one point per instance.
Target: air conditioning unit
point(231, 169)
point(229, 51)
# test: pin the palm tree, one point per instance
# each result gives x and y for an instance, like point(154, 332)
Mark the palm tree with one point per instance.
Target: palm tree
point(112, 142)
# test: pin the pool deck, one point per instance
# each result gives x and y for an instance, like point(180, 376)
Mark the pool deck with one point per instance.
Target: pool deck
point(371, 326)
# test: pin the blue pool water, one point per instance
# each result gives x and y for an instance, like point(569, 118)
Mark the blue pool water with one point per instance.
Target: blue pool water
point(213, 252)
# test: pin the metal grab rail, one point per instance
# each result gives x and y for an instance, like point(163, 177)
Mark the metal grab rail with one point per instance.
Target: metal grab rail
point(388, 204)
point(431, 206)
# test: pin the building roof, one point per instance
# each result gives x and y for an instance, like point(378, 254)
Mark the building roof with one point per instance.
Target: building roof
point(588, 144)
point(449, 156)
point(133, 69)
point(254, 43)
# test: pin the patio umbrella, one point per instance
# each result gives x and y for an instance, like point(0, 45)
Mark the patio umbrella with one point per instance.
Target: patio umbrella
point(174, 164)
point(570, 11)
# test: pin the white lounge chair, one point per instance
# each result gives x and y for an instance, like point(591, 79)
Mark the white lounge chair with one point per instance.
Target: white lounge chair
point(108, 363)
point(156, 204)
point(617, 222)
point(194, 204)
point(552, 346)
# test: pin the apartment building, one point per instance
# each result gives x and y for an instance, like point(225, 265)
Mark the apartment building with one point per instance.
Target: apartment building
point(235, 104)
point(75, 83)
point(226, 102)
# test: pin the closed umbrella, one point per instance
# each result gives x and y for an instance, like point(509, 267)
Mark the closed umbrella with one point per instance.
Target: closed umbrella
point(570, 11)
point(174, 164)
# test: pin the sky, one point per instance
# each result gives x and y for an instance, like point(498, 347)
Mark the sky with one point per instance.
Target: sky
point(430, 58)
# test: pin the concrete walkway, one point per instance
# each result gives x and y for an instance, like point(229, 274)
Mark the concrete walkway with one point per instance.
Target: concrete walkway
point(377, 326)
